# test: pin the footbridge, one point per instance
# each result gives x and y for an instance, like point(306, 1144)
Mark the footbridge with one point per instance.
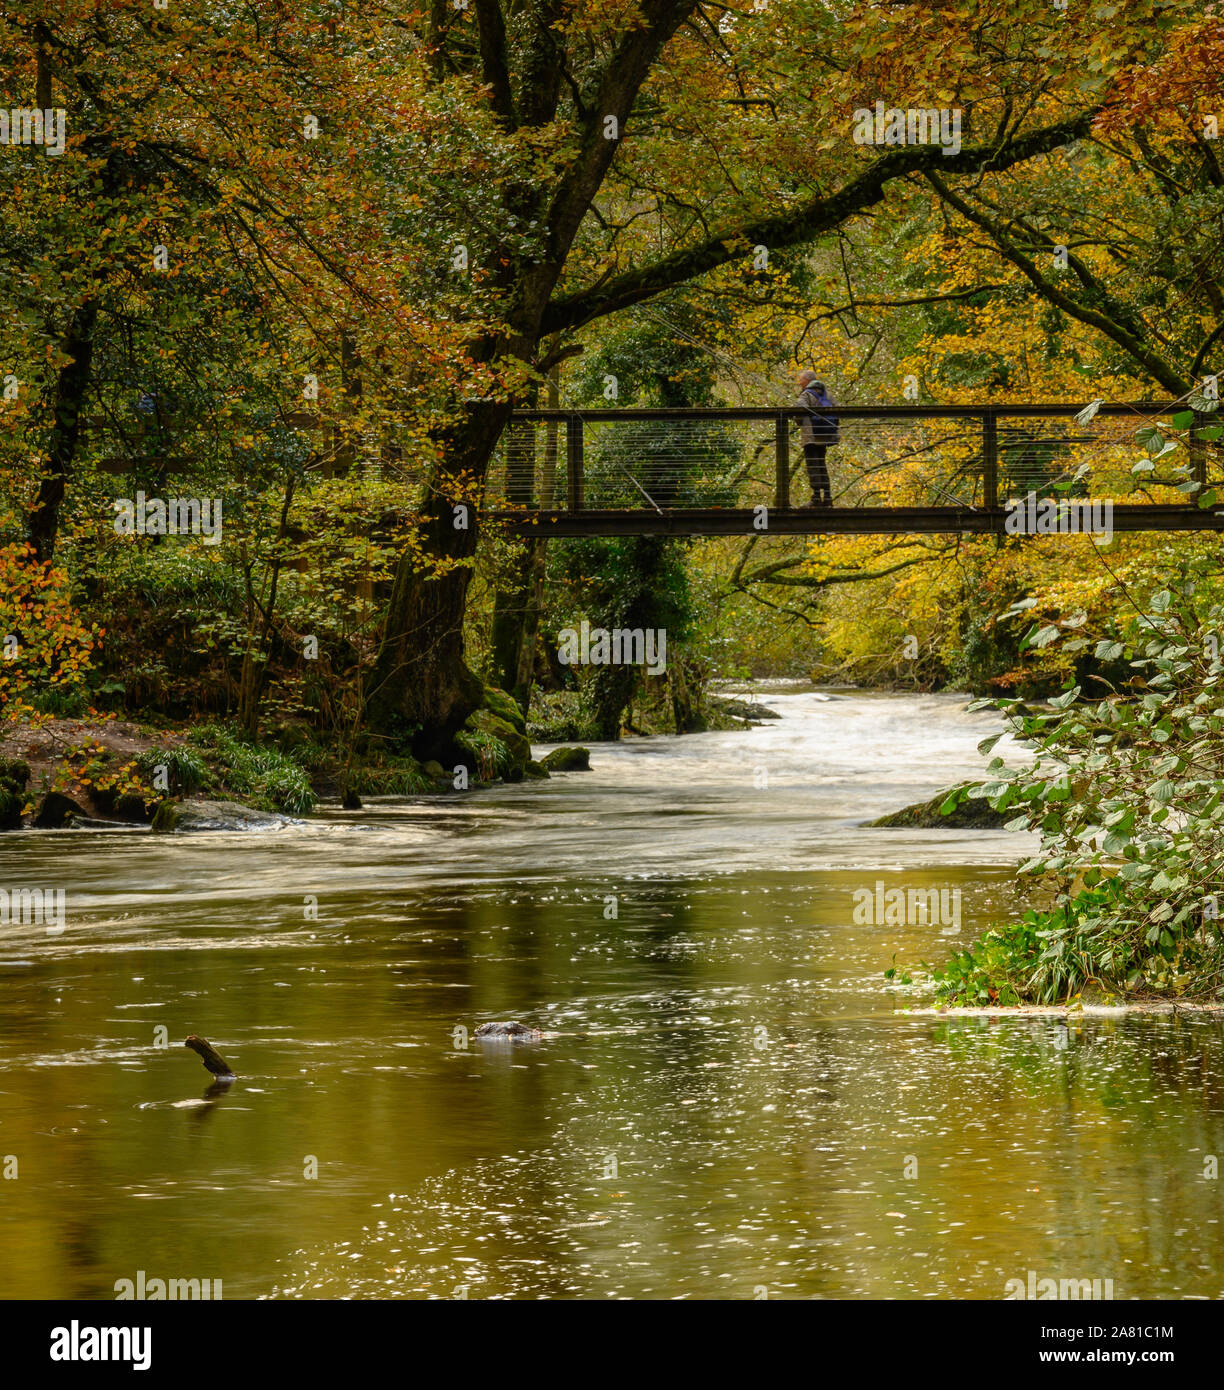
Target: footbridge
point(895, 469)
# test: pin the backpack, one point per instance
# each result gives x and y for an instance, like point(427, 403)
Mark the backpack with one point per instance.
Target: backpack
point(826, 427)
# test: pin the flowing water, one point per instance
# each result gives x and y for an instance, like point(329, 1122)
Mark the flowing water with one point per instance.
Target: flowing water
point(728, 1101)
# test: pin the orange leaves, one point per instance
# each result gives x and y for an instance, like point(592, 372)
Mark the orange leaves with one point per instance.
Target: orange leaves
point(1185, 83)
point(44, 644)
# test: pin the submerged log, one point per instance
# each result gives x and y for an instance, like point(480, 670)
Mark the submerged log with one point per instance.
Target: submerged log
point(211, 1058)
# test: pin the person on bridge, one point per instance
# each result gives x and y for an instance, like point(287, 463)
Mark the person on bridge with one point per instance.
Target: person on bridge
point(819, 430)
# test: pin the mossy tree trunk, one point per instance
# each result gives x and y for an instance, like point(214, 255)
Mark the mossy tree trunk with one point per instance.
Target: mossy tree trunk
point(421, 689)
point(72, 382)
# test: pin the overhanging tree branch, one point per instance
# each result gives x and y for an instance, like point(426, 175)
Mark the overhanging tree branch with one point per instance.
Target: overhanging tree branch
point(1140, 352)
point(626, 70)
point(804, 222)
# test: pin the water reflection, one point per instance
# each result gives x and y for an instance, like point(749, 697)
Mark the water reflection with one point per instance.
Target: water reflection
point(725, 1100)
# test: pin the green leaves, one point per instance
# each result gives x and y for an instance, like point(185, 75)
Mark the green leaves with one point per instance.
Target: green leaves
point(1042, 637)
point(1068, 697)
point(1128, 797)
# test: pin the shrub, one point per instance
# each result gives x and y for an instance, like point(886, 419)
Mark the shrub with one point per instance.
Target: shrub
point(266, 776)
point(186, 770)
point(490, 755)
point(1127, 794)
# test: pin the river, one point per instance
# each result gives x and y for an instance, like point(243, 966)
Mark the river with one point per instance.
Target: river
point(729, 1102)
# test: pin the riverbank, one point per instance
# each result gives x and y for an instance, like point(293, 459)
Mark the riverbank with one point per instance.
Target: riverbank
point(1154, 1007)
point(107, 769)
point(119, 770)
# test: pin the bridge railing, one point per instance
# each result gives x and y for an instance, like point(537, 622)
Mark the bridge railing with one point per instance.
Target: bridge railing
point(970, 458)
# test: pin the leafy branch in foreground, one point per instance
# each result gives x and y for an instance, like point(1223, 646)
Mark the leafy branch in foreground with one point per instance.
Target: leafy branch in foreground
point(1127, 794)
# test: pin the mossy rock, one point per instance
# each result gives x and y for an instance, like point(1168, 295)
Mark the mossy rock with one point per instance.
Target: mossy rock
point(965, 815)
point(749, 710)
point(568, 760)
point(494, 746)
point(390, 776)
point(11, 803)
point(504, 707)
point(14, 773)
point(535, 771)
point(57, 812)
point(14, 776)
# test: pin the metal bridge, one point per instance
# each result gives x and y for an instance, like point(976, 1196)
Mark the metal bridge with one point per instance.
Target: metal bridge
point(896, 469)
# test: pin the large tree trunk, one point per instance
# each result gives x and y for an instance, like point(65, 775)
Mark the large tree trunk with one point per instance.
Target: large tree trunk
point(612, 690)
point(67, 401)
point(421, 690)
point(533, 609)
point(511, 599)
point(516, 622)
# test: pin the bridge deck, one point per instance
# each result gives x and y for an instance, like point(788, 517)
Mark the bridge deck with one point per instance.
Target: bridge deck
point(893, 470)
point(804, 521)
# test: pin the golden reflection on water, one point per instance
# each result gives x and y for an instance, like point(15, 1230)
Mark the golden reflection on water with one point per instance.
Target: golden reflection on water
point(726, 1103)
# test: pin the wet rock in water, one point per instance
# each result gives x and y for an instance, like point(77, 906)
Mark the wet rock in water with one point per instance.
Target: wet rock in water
point(744, 709)
point(351, 802)
point(59, 812)
point(535, 771)
point(510, 1030)
point(182, 817)
point(965, 815)
point(568, 760)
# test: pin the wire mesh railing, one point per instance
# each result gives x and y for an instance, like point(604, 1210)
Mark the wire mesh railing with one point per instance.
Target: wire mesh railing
point(960, 457)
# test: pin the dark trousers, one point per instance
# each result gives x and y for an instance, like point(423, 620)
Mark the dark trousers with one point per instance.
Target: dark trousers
point(818, 475)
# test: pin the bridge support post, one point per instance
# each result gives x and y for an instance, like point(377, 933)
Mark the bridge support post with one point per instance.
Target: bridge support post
point(990, 460)
point(573, 455)
point(782, 465)
point(1198, 453)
